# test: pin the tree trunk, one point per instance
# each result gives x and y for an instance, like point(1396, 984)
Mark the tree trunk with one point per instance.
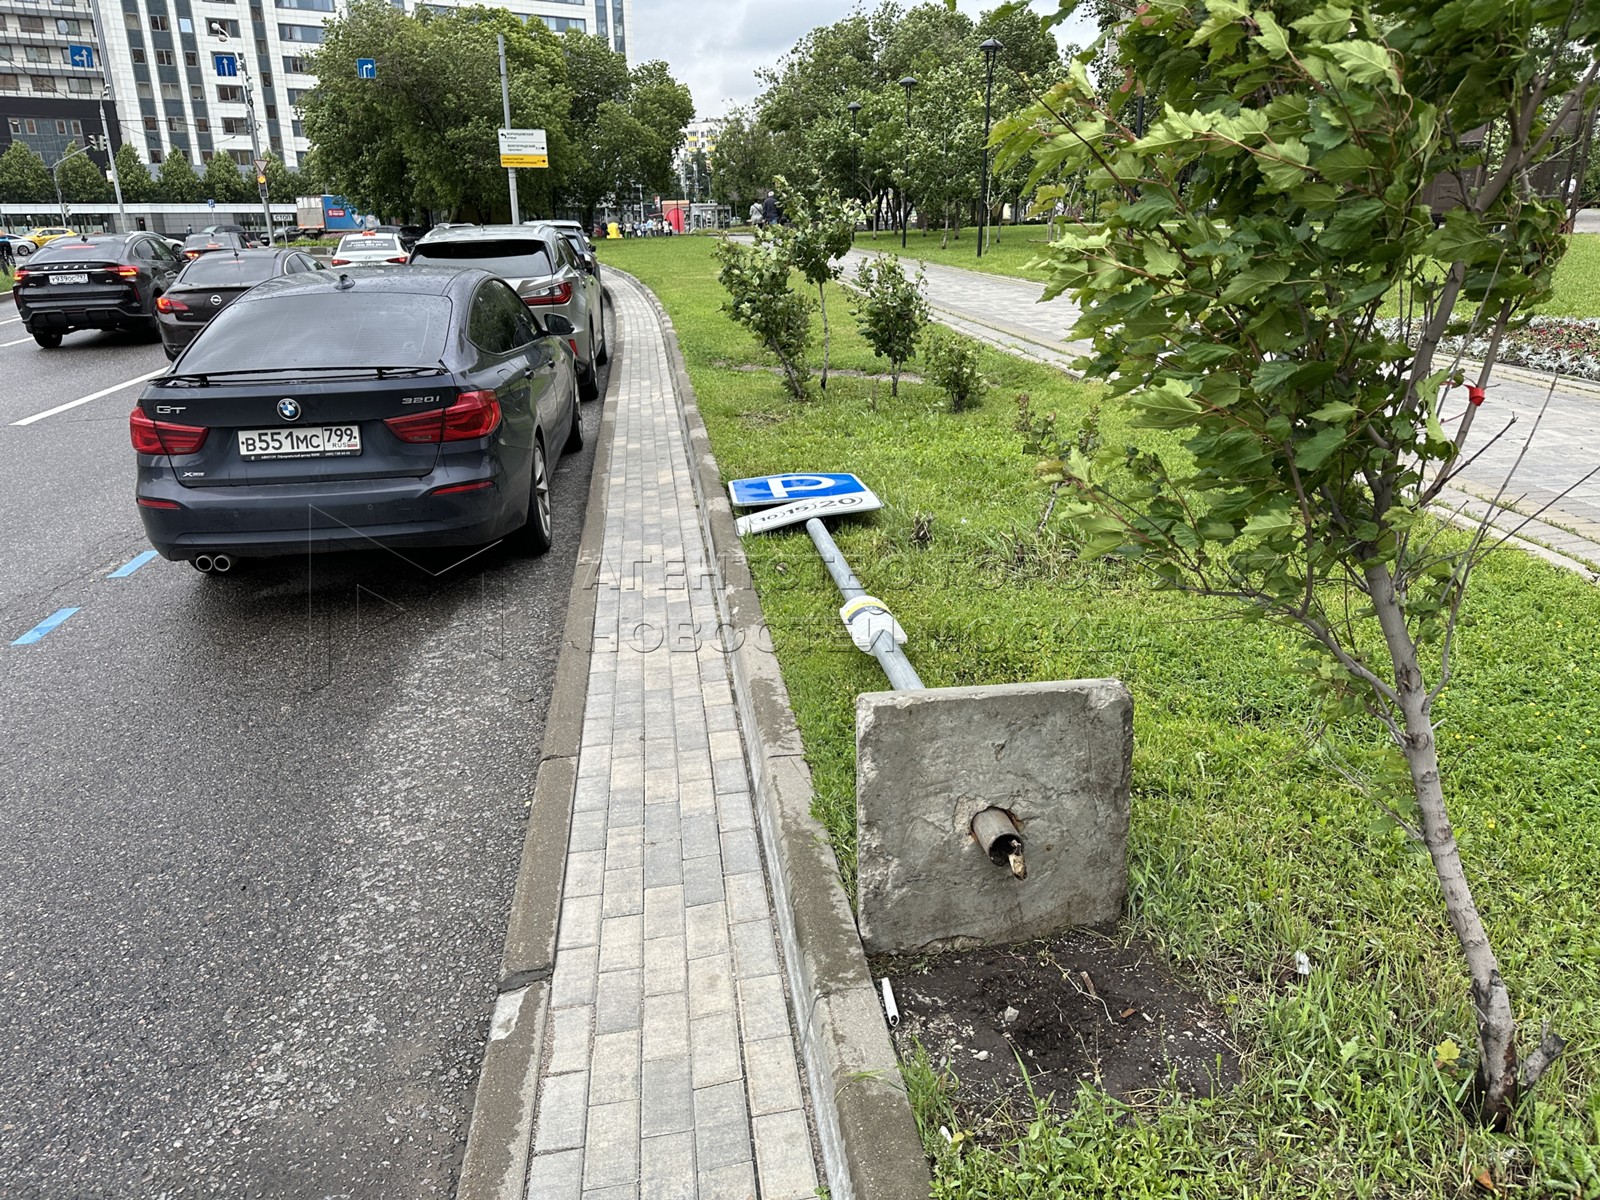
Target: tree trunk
point(822, 307)
point(1499, 1077)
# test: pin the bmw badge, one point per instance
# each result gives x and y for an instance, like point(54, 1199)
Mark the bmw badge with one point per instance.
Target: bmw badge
point(289, 409)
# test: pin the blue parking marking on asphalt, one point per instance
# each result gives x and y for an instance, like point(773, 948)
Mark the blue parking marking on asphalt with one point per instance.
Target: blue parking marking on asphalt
point(43, 627)
point(129, 568)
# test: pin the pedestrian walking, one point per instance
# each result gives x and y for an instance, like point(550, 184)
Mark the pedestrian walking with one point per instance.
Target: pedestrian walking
point(755, 212)
point(769, 209)
point(8, 258)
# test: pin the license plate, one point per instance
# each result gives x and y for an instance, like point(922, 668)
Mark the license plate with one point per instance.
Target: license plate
point(316, 441)
point(69, 279)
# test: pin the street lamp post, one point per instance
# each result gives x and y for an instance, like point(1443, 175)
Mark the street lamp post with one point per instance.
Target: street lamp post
point(255, 139)
point(855, 158)
point(55, 175)
point(908, 83)
point(991, 49)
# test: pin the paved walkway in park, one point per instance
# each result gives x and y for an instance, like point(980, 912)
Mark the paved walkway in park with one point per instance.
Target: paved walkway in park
point(1552, 485)
point(669, 1068)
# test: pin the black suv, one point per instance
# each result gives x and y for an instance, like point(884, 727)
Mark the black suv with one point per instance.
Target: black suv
point(104, 281)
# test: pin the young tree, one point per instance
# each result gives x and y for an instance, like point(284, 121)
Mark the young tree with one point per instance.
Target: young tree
point(952, 365)
point(760, 298)
point(1257, 229)
point(223, 181)
point(137, 186)
point(176, 183)
point(820, 229)
point(24, 179)
point(891, 312)
point(280, 182)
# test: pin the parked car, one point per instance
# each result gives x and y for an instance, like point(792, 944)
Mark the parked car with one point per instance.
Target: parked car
point(368, 247)
point(105, 281)
point(541, 265)
point(328, 410)
point(222, 229)
point(408, 235)
point(295, 233)
point(210, 283)
point(43, 235)
point(197, 244)
point(578, 239)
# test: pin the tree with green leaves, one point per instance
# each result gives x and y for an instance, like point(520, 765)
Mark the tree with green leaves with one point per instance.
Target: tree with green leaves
point(137, 185)
point(891, 312)
point(223, 181)
point(819, 230)
point(24, 178)
point(756, 278)
point(745, 161)
point(82, 182)
point(1272, 208)
point(177, 183)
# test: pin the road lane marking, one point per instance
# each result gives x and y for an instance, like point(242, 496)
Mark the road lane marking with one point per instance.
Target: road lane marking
point(18, 342)
point(43, 627)
point(13, 321)
point(116, 387)
point(128, 568)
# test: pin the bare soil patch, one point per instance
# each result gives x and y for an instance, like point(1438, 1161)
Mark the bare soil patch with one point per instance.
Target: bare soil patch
point(1075, 1008)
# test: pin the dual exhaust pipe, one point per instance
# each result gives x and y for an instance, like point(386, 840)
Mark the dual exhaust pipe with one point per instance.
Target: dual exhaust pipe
point(206, 564)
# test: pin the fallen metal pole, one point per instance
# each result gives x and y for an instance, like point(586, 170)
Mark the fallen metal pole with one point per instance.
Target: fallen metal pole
point(902, 675)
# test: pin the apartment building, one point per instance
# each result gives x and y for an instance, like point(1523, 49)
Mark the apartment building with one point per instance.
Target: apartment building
point(50, 77)
point(179, 70)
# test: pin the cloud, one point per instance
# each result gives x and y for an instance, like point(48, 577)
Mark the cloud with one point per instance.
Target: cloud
point(716, 48)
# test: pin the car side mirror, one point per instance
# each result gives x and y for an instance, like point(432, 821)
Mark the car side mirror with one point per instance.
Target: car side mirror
point(557, 324)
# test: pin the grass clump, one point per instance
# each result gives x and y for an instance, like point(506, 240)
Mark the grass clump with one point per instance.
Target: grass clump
point(1247, 844)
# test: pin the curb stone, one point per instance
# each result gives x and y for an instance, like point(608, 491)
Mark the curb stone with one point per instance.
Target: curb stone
point(871, 1149)
point(500, 1130)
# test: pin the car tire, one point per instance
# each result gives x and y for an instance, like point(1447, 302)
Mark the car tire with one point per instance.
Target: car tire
point(48, 339)
point(152, 330)
point(589, 379)
point(534, 538)
point(574, 440)
point(603, 354)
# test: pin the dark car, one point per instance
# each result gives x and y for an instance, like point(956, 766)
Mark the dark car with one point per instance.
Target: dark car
point(210, 283)
point(105, 281)
point(197, 244)
point(334, 410)
point(408, 235)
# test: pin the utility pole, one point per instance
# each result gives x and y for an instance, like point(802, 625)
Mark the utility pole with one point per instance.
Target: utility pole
point(255, 140)
point(505, 104)
point(105, 130)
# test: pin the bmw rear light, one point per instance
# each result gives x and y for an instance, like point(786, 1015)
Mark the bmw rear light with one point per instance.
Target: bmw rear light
point(163, 437)
point(473, 415)
point(166, 305)
point(454, 489)
point(152, 502)
point(554, 293)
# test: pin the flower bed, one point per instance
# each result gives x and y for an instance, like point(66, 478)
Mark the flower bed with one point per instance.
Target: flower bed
point(1565, 345)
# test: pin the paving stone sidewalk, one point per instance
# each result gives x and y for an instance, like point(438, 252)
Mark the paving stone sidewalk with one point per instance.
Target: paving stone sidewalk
point(669, 1066)
point(1550, 483)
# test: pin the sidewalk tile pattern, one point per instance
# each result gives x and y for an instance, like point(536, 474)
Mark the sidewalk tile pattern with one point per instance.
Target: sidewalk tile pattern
point(670, 1068)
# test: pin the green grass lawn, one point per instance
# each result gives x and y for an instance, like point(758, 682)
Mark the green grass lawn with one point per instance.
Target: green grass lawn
point(1245, 845)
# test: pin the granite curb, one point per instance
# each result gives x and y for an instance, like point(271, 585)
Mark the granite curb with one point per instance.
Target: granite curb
point(870, 1145)
point(500, 1132)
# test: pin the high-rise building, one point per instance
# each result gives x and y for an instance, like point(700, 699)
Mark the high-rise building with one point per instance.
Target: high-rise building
point(50, 77)
point(180, 68)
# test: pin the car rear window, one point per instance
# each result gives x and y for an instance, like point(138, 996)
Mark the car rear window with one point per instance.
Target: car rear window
point(510, 258)
point(199, 241)
point(229, 270)
point(75, 249)
point(324, 329)
point(378, 241)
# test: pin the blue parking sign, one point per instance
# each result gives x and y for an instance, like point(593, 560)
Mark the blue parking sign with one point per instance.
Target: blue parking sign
point(782, 489)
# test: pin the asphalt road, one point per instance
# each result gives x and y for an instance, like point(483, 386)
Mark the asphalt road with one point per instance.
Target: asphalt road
point(258, 832)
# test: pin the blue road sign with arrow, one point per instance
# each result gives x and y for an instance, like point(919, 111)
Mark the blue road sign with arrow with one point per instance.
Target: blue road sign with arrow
point(780, 489)
point(80, 56)
point(227, 65)
point(366, 68)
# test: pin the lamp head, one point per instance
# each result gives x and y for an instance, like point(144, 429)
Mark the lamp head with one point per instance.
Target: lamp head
point(909, 82)
point(991, 48)
point(854, 106)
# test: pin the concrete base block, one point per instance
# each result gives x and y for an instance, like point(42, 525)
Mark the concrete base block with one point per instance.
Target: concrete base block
point(1057, 756)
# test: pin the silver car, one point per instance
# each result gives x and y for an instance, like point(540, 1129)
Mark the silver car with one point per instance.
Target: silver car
point(366, 249)
point(546, 272)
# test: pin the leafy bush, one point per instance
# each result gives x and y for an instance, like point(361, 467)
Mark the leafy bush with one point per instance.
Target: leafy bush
point(890, 312)
point(759, 298)
point(817, 230)
point(951, 362)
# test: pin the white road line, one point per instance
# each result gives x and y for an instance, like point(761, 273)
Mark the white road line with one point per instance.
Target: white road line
point(18, 342)
point(116, 387)
point(13, 321)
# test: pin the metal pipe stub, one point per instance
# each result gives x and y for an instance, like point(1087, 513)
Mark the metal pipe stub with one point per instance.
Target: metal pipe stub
point(997, 832)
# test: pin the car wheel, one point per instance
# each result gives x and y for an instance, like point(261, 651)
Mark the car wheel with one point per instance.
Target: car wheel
point(575, 434)
point(603, 354)
point(589, 379)
point(49, 340)
point(534, 537)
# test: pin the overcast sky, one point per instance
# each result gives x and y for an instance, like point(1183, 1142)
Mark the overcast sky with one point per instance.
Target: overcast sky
point(716, 47)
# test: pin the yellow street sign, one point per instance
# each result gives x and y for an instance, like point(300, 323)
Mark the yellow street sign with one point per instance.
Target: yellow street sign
point(524, 160)
point(523, 148)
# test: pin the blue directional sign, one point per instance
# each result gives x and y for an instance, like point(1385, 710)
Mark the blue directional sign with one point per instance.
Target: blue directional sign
point(781, 489)
point(211, 203)
point(80, 56)
point(227, 64)
point(366, 68)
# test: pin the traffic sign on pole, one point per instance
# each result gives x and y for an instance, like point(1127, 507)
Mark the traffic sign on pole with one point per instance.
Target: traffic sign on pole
point(780, 489)
point(524, 148)
point(80, 56)
point(366, 68)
